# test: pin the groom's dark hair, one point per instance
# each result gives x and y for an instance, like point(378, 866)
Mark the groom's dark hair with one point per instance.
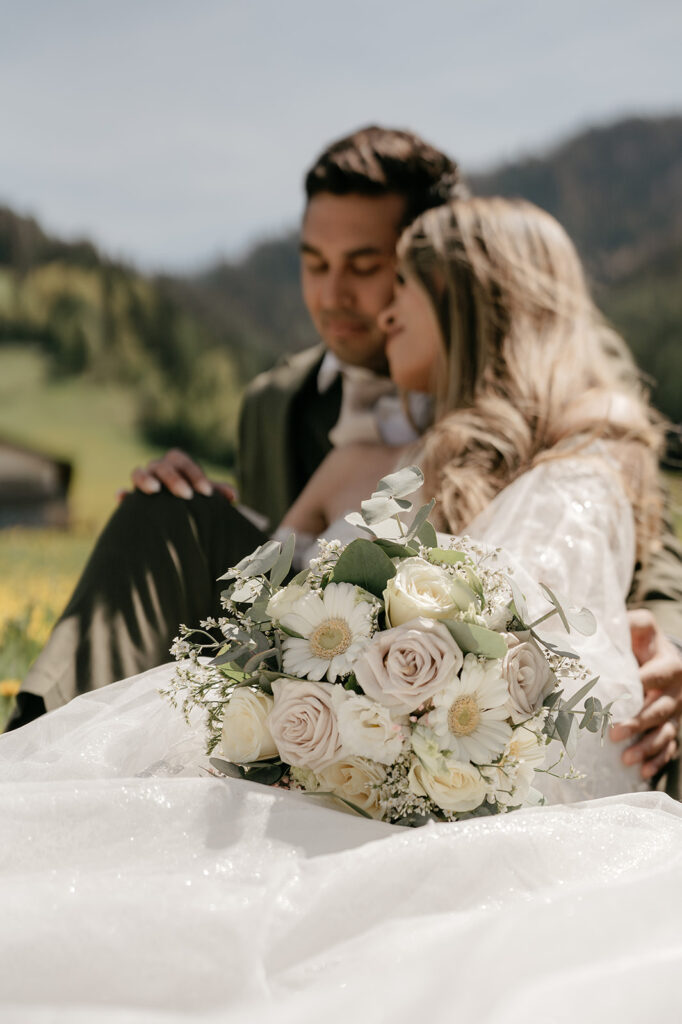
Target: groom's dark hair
point(377, 161)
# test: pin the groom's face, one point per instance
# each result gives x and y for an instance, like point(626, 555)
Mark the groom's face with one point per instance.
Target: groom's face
point(348, 271)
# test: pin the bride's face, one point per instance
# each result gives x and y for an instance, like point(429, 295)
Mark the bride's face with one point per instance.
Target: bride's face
point(414, 346)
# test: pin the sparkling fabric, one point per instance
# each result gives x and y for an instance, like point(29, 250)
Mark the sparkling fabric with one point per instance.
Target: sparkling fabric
point(135, 887)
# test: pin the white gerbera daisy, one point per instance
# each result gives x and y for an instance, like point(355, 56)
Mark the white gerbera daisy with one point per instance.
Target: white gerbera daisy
point(469, 714)
point(334, 625)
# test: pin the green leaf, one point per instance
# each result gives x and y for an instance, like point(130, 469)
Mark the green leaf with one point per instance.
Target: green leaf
point(257, 612)
point(255, 661)
point(592, 719)
point(257, 563)
point(355, 519)
point(577, 697)
point(446, 556)
point(427, 535)
point(233, 771)
point(378, 508)
point(419, 520)
point(475, 639)
point(395, 550)
point(283, 564)
point(582, 620)
point(342, 799)
point(404, 481)
point(475, 584)
point(554, 648)
point(301, 577)
point(265, 773)
point(557, 604)
point(233, 654)
point(519, 602)
point(566, 727)
point(364, 564)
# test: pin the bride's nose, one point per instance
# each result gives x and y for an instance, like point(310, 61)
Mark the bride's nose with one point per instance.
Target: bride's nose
point(386, 319)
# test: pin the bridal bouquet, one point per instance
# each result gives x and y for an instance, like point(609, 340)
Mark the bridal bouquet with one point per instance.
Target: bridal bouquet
point(399, 676)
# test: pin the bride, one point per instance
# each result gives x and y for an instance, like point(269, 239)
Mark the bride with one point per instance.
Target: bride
point(138, 888)
point(537, 445)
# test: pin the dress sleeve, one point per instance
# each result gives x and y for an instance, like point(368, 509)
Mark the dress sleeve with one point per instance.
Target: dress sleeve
point(568, 523)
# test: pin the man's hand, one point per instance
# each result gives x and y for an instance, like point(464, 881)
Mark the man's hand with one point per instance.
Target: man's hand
point(180, 474)
point(657, 725)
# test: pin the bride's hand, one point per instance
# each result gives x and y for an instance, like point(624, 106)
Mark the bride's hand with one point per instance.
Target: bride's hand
point(657, 725)
point(345, 477)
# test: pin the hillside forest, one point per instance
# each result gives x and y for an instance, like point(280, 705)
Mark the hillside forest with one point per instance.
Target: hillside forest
point(185, 346)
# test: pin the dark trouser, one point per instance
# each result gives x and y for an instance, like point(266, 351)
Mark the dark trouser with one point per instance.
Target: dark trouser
point(154, 566)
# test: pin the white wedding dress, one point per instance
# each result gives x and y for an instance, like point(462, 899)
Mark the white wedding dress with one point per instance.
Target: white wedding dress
point(135, 887)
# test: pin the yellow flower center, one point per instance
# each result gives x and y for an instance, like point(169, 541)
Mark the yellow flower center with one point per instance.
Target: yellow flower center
point(464, 716)
point(332, 637)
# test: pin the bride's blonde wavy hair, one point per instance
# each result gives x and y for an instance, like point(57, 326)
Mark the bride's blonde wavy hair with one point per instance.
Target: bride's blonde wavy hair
point(533, 371)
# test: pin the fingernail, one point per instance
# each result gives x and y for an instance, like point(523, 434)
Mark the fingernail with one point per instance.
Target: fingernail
point(205, 488)
point(184, 491)
point(152, 486)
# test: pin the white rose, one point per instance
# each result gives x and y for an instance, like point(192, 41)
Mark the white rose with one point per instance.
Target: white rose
point(420, 589)
point(281, 603)
point(303, 723)
point(453, 785)
point(245, 735)
point(402, 667)
point(356, 779)
point(529, 677)
point(366, 729)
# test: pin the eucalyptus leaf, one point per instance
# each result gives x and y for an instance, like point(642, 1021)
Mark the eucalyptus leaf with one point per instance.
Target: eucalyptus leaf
point(283, 564)
point(355, 519)
point(364, 564)
point(266, 773)
point(519, 602)
point(475, 584)
point(257, 563)
point(427, 535)
point(300, 577)
point(554, 648)
point(446, 556)
point(416, 820)
point(552, 698)
point(232, 655)
point(419, 520)
point(255, 661)
point(402, 482)
point(578, 696)
point(234, 771)
point(396, 550)
point(592, 719)
point(341, 799)
point(380, 507)
point(475, 639)
point(582, 620)
point(566, 726)
point(557, 605)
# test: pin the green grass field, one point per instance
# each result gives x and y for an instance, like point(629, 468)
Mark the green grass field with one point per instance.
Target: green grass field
point(93, 426)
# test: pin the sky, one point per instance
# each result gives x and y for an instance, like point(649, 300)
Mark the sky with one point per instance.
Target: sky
point(173, 132)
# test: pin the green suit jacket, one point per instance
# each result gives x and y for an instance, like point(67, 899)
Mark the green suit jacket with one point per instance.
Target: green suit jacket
point(283, 432)
point(284, 436)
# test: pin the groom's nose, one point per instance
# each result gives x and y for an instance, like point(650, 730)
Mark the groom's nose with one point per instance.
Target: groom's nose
point(336, 291)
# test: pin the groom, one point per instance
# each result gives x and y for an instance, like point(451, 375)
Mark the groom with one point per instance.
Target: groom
point(156, 563)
